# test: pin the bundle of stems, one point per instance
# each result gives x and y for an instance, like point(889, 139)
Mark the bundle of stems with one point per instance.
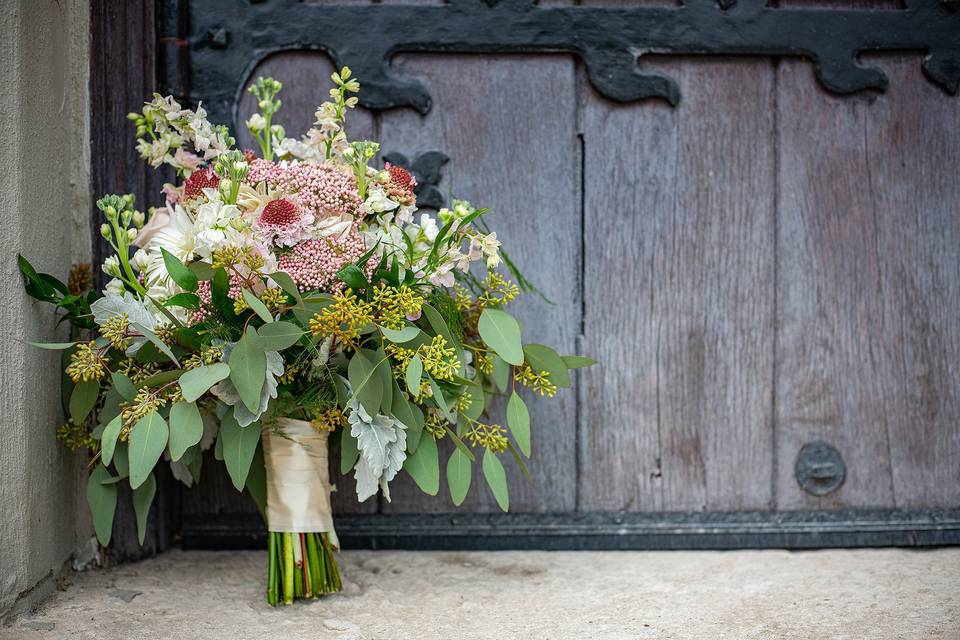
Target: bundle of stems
point(301, 566)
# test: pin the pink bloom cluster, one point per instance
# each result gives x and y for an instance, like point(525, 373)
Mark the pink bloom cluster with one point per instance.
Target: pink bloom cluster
point(206, 297)
point(283, 221)
point(314, 264)
point(324, 190)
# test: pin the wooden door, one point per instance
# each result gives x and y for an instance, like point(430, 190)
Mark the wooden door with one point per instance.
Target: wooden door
point(763, 267)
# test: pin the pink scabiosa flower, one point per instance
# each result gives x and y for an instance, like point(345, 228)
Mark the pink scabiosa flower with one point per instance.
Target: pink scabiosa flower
point(314, 264)
point(199, 180)
point(284, 221)
point(401, 183)
point(326, 191)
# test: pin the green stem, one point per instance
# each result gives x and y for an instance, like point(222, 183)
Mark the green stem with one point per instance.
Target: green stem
point(317, 580)
point(287, 568)
point(272, 570)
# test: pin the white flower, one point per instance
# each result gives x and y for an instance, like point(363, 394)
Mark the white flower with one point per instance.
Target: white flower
point(114, 287)
point(493, 261)
point(429, 227)
point(141, 260)
point(256, 123)
point(111, 266)
point(489, 244)
point(443, 276)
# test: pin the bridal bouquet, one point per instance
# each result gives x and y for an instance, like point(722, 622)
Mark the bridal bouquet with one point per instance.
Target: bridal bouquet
point(281, 300)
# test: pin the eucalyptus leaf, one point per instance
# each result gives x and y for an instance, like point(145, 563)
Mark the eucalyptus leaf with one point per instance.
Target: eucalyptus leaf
point(287, 284)
point(248, 371)
point(257, 482)
point(496, 479)
point(56, 346)
point(386, 381)
point(196, 382)
point(186, 428)
point(366, 381)
point(102, 499)
point(424, 467)
point(157, 342)
point(123, 385)
point(542, 358)
point(147, 440)
point(400, 336)
point(257, 305)
point(441, 401)
point(518, 418)
point(501, 332)
point(413, 375)
point(501, 373)
point(239, 446)
point(278, 336)
point(459, 474)
point(349, 452)
point(108, 440)
point(83, 399)
point(142, 499)
point(458, 443)
point(578, 362)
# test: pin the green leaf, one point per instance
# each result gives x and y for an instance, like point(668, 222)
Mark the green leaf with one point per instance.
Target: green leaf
point(185, 300)
point(352, 275)
point(257, 482)
point(496, 479)
point(108, 440)
point(405, 413)
point(406, 334)
point(56, 346)
point(518, 418)
point(196, 382)
point(179, 273)
point(239, 447)
point(413, 375)
point(501, 332)
point(464, 449)
point(186, 428)
point(159, 379)
point(386, 381)
point(126, 389)
point(148, 439)
point(142, 499)
point(577, 362)
point(157, 342)
point(441, 401)
point(278, 336)
point(82, 400)
point(121, 459)
point(349, 451)
point(287, 284)
point(542, 358)
point(203, 270)
point(424, 466)
point(219, 295)
point(102, 499)
point(501, 373)
point(248, 371)
point(258, 307)
point(365, 381)
point(459, 474)
point(477, 402)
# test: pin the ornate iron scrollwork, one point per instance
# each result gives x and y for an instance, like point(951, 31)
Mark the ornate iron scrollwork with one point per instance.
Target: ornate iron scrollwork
point(228, 38)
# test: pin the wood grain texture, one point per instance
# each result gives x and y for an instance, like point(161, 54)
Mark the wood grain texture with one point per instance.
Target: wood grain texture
point(507, 124)
point(122, 76)
point(868, 290)
point(679, 294)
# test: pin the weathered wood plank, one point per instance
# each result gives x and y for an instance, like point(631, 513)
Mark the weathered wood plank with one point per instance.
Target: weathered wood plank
point(833, 375)
point(869, 289)
point(679, 294)
point(507, 124)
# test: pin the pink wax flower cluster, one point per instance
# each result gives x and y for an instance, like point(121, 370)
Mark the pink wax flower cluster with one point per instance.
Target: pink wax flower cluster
point(314, 264)
point(325, 190)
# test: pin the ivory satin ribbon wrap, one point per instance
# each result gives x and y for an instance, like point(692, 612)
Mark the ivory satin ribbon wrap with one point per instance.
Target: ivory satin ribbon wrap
point(298, 480)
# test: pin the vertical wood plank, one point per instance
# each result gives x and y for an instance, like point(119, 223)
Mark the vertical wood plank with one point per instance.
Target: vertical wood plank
point(869, 289)
point(679, 294)
point(507, 124)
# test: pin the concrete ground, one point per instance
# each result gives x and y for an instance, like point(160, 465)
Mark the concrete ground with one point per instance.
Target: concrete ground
point(871, 594)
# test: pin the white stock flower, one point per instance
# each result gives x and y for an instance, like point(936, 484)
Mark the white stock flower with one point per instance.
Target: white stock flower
point(256, 123)
point(111, 266)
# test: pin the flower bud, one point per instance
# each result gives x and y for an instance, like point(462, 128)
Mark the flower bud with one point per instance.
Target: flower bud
point(111, 266)
point(131, 234)
point(125, 217)
point(105, 231)
point(138, 219)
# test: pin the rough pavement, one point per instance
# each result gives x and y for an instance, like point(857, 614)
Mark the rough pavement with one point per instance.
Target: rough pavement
point(742, 595)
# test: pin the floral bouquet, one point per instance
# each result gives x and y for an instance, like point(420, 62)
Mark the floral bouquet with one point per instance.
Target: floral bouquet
point(277, 301)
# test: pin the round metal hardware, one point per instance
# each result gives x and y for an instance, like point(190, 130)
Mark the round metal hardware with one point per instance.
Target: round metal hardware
point(820, 469)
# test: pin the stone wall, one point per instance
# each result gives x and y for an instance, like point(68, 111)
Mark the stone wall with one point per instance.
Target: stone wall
point(44, 214)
